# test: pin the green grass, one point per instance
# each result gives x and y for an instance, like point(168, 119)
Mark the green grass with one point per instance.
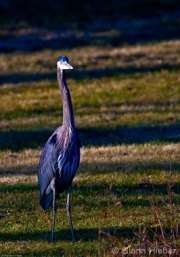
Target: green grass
point(126, 103)
point(25, 228)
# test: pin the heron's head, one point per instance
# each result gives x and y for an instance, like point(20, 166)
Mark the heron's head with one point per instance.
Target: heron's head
point(63, 63)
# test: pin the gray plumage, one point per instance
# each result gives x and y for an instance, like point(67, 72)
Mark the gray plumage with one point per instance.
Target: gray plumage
point(61, 155)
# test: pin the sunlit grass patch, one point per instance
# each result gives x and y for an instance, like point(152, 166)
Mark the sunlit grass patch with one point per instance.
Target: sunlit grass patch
point(151, 98)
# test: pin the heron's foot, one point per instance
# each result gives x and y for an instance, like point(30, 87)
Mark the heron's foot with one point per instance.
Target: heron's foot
point(52, 239)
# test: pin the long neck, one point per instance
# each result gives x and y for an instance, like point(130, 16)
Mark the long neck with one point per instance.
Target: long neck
point(68, 116)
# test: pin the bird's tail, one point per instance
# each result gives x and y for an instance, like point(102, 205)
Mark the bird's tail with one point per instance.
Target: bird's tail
point(46, 200)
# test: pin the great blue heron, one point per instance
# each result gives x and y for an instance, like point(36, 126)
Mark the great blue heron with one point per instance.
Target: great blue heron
point(61, 155)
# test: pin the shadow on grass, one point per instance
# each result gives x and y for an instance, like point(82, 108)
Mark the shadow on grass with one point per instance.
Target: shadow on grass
point(129, 135)
point(86, 234)
point(96, 168)
point(124, 35)
point(80, 75)
point(101, 189)
point(18, 140)
point(123, 191)
point(18, 188)
point(18, 78)
point(93, 23)
point(62, 235)
point(83, 235)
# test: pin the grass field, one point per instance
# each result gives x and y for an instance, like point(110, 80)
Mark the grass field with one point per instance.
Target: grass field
point(126, 99)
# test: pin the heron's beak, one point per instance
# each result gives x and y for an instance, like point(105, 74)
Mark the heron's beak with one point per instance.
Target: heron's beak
point(64, 66)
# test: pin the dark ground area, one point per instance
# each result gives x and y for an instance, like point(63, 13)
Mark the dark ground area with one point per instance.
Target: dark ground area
point(50, 24)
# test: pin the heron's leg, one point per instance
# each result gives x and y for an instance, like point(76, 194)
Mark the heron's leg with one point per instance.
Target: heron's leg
point(53, 211)
point(68, 207)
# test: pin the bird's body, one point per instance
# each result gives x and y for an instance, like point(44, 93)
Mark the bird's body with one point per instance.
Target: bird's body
point(61, 155)
point(59, 160)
